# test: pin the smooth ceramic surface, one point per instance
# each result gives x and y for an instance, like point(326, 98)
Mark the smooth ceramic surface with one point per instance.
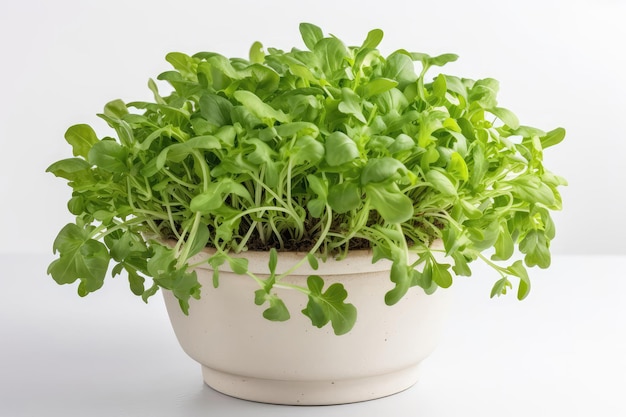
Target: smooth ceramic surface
point(292, 362)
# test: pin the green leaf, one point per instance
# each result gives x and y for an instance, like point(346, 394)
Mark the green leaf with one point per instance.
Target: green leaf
point(212, 197)
point(390, 202)
point(330, 305)
point(162, 261)
point(423, 280)
point(461, 265)
point(277, 310)
point(179, 151)
point(528, 132)
point(273, 261)
point(299, 129)
point(123, 243)
point(215, 109)
point(332, 54)
point(259, 108)
point(536, 247)
point(136, 282)
point(439, 60)
point(183, 63)
point(82, 137)
point(115, 109)
point(319, 188)
point(500, 287)
point(69, 168)
point(109, 155)
point(430, 121)
point(480, 165)
point(340, 149)
point(200, 239)
point(183, 285)
point(378, 86)
point(518, 270)
point(316, 207)
point(80, 258)
point(553, 137)
point(507, 116)
point(262, 154)
point(351, 104)
point(76, 205)
point(262, 79)
point(379, 170)
point(484, 93)
point(439, 86)
point(504, 245)
point(149, 292)
point(312, 261)
point(441, 182)
point(443, 59)
point(457, 167)
point(530, 188)
point(402, 143)
point(440, 274)
point(238, 265)
point(307, 149)
point(401, 275)
point(373, 39)
point(344, 197)
point(399, 67)
point(216, 261)
point(311, 34)
point(256, 53)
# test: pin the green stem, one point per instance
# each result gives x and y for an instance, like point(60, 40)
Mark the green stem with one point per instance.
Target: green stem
point(205, 170)
point(245, 239)
point(303, 290)
point(151, 213)
point(403, 245)
point(101, 231)
point(169, 215)
point(361, 221)
point(184, 255)
point(319, 242)
point(178, 180)
point(503, 272)
point(257, 209)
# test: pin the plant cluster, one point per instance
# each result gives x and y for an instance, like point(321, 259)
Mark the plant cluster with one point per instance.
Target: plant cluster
point(323, 150)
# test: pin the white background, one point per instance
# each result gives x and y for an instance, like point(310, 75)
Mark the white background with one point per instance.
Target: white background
point(560, 63)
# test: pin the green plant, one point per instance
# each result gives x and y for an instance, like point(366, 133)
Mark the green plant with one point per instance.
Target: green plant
point(324, 150)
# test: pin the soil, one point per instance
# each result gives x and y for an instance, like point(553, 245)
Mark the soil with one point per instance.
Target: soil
point(289, 244)
point(303, 245)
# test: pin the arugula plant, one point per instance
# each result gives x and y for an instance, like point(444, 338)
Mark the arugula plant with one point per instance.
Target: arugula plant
point(323, 150)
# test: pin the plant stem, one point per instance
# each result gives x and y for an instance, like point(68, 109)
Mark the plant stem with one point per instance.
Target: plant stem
point(319, 242)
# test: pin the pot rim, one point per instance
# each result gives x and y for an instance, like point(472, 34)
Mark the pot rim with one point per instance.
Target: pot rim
point(357, 261)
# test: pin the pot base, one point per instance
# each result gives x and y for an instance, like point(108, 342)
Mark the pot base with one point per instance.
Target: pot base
point(290, 392)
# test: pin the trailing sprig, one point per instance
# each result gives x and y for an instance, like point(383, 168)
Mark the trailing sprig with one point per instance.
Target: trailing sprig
point(320, 150)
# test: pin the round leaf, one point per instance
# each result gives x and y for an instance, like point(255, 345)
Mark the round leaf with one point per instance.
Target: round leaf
point(340, 149)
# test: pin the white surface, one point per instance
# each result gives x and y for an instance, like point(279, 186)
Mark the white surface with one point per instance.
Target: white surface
point(558, 353)
point(560, 62)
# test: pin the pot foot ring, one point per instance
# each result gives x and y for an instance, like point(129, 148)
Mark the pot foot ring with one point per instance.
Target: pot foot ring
point(321, 392)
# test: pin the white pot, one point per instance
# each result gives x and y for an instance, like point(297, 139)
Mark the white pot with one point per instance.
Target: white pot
point(246, 356)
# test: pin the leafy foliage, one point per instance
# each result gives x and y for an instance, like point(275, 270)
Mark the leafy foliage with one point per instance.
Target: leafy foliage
point(330, 145)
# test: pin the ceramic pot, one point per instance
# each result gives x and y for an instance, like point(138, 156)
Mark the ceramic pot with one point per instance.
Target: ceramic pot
point(246, 356)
